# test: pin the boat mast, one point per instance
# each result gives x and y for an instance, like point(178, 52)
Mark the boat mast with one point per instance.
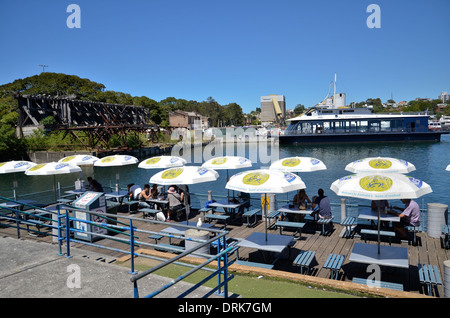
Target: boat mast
point(334, 94)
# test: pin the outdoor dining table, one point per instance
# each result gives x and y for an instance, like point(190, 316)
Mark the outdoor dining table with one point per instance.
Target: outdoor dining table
point(275, 243)
point(392, 256)
point(18, 204)
point(161, 203)
point(117, 195)
point(369, 214)
point(293, 208)
point(229, 206)
point(76, 192)
point(372, 216)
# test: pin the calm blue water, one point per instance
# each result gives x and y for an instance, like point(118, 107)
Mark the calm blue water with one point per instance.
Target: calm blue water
point(430, 160)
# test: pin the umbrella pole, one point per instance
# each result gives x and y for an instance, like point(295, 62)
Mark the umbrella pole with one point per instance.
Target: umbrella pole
point(228, 189)
point(54, 187)
point(379, 227)
point(265, 211)
point(14, 187)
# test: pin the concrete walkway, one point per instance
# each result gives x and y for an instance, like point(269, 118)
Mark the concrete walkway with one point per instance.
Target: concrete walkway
point(33, 269)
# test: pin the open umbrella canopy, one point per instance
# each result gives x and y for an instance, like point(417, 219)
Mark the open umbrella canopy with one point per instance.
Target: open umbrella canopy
point(52, 168)
point(184, 175)
point(116, 160)
point(162, 162)
point(79, 159)
point(265, 181)
point(448, 168)
point(15, 166)
point(380, 186)
point(298, 164)
point(227, 162)
point(380, 164)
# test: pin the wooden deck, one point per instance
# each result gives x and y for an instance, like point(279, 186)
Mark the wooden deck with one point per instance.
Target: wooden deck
point(428, 251)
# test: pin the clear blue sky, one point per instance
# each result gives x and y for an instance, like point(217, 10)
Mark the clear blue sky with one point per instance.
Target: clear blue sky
point(234, 50)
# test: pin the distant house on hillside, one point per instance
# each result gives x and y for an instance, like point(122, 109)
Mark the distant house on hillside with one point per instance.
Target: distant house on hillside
point(189, 120)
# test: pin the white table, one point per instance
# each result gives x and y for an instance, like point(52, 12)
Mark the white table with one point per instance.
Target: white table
point(118, 195)
point(294, 209)
point(228, 206)
point(392, 256)
point(372, 215)
point(275, 242)
point(76, 192)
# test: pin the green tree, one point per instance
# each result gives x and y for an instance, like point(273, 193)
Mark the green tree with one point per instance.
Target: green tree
point(233, 115)
point(299, 109)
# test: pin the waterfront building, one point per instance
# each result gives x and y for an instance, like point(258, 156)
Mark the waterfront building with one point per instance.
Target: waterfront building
point(273, 109)
point(189, 120)
point(444, 97)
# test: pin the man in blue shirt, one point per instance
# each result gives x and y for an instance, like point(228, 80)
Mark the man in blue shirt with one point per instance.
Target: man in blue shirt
point(321, 205)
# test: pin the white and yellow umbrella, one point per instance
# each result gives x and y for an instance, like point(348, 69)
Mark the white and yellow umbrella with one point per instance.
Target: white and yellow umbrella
point(227, 163)
point(380, 164)
point(298, 164)
point(52, 169)
point(265, 181)
point(79, 160)
point(115, 161)
point(162, 162)
point(184, 175)
point(380, 186)
point(13, 167)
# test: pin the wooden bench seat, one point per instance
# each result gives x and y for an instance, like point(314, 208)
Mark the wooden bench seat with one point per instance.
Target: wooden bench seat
point(147, 212)
point(325, 223)
point(389, 234)
point(348, 222)
point(429, 276)
point(218, 217)
point(303, 260)
point(252, 213)
point(272, 215)
point(381, 284)
point(334, 263)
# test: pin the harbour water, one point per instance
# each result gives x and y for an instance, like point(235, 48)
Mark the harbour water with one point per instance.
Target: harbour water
point(430, 160)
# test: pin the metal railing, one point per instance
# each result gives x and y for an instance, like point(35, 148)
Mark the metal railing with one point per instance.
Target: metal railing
point(59, 221)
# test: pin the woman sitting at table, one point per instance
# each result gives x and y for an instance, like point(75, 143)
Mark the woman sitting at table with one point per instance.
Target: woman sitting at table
point(175, 203)
point(154, 191)
point(301, 199)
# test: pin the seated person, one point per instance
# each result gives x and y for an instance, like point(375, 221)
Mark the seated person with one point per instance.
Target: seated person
point(175, 203)
point(144, 196)
point(301, 199)
point(410, 215)
point(94, 185)
point(154, 191)
point(383, 204)
point(133, 191)
point(321, 205)
point(246, 198)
